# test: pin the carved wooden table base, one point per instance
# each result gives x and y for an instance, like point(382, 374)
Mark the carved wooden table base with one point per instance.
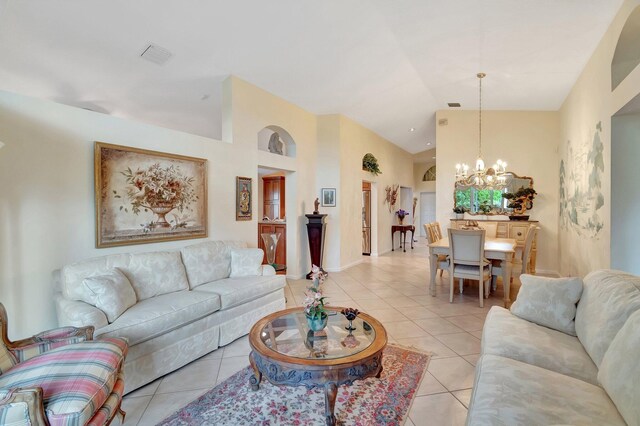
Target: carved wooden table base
point(275, 338)
point(311, 376)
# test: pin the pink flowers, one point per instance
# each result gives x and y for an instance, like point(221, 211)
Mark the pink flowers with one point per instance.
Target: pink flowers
point(314, 300)
point(317, 275)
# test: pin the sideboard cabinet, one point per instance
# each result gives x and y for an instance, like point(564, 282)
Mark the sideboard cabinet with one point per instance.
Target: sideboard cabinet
point(516, 229)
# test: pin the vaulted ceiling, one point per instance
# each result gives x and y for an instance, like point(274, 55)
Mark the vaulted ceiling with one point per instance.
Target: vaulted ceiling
point(387, 64)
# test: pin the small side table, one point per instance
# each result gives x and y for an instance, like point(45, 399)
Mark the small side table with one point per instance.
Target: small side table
point(280, 268)
point(403, 235)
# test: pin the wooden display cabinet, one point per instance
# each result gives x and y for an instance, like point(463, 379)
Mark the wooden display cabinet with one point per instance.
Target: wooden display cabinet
point(281, 250)
point(273, 197)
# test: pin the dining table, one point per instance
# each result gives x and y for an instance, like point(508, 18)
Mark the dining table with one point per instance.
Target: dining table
point(500, 249)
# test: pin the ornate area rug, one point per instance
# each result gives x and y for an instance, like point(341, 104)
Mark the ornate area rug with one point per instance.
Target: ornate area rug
point(384, 401)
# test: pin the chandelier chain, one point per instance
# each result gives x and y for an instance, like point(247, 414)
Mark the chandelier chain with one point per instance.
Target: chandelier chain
point(480, 76)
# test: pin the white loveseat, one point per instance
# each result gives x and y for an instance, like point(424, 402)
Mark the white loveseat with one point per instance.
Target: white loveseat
point(187, 304)
point(534, 375)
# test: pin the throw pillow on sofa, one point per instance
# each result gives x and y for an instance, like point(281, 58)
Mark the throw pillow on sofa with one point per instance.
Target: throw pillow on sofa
point(246, 262)
point(550, 302)
point(111, 292)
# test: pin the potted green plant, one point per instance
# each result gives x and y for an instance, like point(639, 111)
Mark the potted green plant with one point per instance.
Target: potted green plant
point(485, 207)
point(370, 164)
point(459, 211)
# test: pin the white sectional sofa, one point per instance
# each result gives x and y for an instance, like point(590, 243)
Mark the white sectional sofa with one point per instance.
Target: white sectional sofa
point(534, 375)
point(186, 304)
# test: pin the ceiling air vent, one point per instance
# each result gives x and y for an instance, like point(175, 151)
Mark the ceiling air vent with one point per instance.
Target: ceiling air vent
point(454, 104)
point(156, 54)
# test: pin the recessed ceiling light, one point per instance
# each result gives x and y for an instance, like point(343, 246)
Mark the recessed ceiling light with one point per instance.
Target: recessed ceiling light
point(413, 129)
point(433, 158)
point(428, 143)
point(454, 104)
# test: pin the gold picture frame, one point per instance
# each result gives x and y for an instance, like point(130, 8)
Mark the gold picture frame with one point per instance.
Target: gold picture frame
point(244, 198)
point(145, 196)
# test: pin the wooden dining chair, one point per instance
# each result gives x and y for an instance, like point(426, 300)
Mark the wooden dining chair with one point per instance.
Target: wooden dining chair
point(467, 261)
point(490, 227)
point(427, 231)
point(437, 229)
point(520, 263)
point(432, 236)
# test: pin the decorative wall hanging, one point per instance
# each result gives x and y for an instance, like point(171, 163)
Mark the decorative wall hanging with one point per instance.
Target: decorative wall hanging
point(148, 196)
point(391, 196)
point(581, 197)
point(370, 164)
point(243, 198)
point(328, 197)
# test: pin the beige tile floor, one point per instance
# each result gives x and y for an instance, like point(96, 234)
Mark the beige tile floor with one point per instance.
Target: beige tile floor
point(393, 289)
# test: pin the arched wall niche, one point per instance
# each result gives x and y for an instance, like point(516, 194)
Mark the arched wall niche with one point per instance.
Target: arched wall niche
point(276, 140)
point(627, 54)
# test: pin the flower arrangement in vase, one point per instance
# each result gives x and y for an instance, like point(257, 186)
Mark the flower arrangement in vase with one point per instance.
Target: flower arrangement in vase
point(314, 301)
point(401, 215)
point(160, 190)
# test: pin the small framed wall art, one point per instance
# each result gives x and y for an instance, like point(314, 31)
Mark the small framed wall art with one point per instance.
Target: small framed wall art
point(328, 197)
point(148, 196)
point(244, 197)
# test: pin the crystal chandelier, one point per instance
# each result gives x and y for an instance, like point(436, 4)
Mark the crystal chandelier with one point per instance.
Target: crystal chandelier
point(493, 177)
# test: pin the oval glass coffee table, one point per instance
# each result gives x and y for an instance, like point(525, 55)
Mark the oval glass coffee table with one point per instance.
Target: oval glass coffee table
point(286, 352)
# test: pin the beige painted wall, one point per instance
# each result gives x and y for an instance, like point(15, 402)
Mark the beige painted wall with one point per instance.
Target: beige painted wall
point(341, 145)
point(47, 210)
point(419, 170)
point(328, 176)
point(396, 165)
point(591, 102)
point(47, 198)
point(527, 140)
point(253, 109)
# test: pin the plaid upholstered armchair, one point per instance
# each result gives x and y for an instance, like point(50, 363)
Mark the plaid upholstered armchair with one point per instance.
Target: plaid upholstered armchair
point(60, 377)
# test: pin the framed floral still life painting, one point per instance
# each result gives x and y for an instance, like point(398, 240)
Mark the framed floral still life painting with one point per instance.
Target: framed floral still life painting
point(147, 196)
point(243, 198)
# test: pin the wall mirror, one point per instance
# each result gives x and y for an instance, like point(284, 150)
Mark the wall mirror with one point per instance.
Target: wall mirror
point(489, 201)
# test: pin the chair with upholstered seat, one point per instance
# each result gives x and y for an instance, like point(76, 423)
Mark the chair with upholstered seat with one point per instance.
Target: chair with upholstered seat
point(60, 377)
point(467, 261)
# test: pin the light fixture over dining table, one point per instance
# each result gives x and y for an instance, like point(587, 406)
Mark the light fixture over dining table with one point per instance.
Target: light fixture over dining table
point(481, 177)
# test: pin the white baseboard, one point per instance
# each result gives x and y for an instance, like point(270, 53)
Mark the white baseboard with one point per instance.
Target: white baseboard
point(295, 277)
point(376, 254)
point(342, 268)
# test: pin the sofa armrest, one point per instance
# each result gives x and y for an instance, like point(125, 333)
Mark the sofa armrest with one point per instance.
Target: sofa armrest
point(23, 405)
point(48, 340)
point(268, 270)
point(79, 314)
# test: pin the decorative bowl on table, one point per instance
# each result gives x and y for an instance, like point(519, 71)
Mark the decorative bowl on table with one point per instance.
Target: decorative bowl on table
point(350, 314)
